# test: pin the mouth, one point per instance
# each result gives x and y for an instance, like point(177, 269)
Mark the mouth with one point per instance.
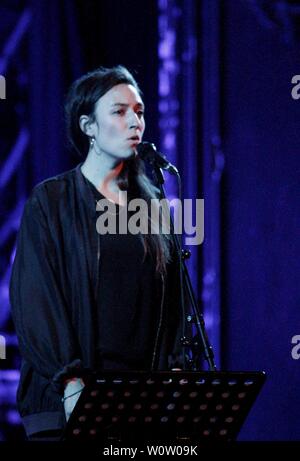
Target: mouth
point(134, 138)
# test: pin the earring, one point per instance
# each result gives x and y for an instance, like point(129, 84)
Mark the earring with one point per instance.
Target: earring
point(92, 146)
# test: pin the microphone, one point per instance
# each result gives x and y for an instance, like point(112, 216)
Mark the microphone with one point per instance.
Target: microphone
point(148, 152)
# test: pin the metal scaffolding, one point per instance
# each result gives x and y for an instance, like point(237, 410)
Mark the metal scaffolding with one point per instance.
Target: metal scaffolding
point(14, 136)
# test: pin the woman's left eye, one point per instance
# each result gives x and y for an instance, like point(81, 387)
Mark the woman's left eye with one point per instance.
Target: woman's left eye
point(140, 113)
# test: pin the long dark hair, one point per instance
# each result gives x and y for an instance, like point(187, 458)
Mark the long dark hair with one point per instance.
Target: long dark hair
point(81, 100)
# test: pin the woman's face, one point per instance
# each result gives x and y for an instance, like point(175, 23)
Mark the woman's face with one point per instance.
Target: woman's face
point(119, 121)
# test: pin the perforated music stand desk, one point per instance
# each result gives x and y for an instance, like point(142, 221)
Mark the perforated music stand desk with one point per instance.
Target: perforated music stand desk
point(163, 406)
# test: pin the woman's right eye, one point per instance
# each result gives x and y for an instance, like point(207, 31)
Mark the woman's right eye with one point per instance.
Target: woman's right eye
point(119, 112)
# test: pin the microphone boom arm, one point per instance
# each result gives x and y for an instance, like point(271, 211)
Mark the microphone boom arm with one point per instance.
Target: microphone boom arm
point(196, 316)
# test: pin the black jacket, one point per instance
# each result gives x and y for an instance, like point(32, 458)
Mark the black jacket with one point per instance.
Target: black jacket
point(52, 291)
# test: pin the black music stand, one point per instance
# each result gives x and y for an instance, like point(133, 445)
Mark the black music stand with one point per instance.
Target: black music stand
point(163, 406)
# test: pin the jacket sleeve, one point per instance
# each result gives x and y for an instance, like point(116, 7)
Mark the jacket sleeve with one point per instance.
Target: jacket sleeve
point(39, 308)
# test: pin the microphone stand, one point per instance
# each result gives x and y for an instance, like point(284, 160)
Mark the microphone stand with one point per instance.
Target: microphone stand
point(195, 346)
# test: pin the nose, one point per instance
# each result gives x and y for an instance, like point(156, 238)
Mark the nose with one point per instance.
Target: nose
point(134, 120)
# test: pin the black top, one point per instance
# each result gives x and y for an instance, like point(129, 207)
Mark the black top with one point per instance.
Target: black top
point(128, 301)
point(61, 306)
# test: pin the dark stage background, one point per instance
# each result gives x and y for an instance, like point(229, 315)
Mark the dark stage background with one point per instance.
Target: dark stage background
point(216, 78)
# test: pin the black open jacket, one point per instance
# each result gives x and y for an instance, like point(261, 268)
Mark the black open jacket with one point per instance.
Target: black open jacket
point(52, 291)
